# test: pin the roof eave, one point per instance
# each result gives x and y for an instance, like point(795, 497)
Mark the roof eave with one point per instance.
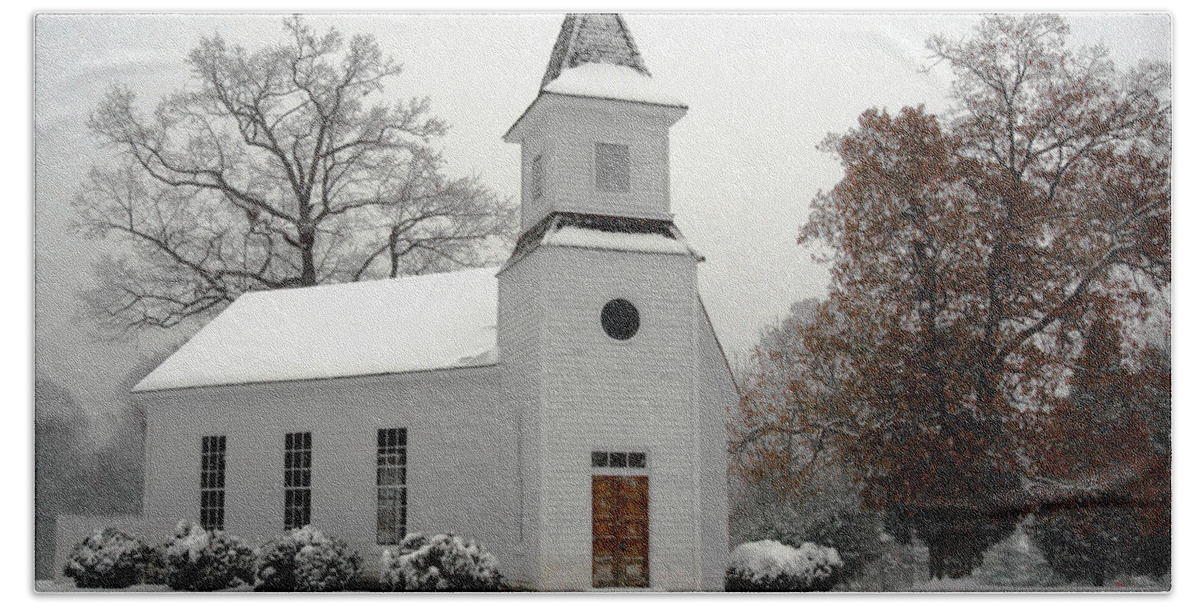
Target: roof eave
point(512, 135)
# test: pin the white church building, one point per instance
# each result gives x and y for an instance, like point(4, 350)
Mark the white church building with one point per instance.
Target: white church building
point(567, 409)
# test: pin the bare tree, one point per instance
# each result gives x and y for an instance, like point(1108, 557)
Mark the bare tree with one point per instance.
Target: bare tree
point(281, 167)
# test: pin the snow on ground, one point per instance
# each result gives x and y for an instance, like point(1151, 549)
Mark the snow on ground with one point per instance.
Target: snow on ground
point(976, 584)
point(68, 586)
point(425, 322)
point(608, 81)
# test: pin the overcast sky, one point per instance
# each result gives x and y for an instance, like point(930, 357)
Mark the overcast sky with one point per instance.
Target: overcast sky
point(763, 91)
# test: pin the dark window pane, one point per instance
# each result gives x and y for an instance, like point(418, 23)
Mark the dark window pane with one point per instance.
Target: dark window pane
point(637, 460)
point(620, 319)
point(616, 459)
point(212, 481)
point(599, 459)
point(391, 476)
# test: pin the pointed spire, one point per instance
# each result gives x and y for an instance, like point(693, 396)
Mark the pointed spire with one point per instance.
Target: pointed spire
point(593, 38)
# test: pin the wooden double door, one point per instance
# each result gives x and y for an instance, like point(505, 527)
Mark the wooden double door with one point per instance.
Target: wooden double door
point(620, 531)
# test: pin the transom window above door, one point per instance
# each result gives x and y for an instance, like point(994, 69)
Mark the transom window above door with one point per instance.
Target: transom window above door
point(619, 460)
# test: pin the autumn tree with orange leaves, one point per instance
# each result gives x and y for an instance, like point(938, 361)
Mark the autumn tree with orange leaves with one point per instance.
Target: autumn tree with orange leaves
point(963, 250)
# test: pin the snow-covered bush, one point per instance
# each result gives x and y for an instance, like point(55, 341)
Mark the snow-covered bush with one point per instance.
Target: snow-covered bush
point(855, 532)
point(769, 565)
point(442, 562)
point(199, 560)
point(109, 558)
point(305, 559)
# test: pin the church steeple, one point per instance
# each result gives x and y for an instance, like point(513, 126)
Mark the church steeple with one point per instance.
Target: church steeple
point(595, 139)
point(593, 38)
point(606, 355)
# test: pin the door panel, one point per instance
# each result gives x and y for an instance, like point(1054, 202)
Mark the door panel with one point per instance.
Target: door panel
point(620, 531)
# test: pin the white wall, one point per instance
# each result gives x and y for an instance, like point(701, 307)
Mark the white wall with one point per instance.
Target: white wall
point(519, 321)
point(717, 394)
point(458, 442)
point(635, 395)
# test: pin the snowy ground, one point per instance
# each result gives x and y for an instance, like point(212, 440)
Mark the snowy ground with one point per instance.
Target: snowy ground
point(969, 584)
point(68, 586)
point(974, 584)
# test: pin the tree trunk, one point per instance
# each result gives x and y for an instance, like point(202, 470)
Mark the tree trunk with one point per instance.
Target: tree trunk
point(308, 244)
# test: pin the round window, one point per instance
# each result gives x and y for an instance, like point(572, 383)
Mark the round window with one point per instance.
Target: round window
point(620, 319)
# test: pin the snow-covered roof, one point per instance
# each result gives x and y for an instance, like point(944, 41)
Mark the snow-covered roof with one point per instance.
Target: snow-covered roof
point(426, 322)
point(608, 81)
point(574, 236)
point(593, 231)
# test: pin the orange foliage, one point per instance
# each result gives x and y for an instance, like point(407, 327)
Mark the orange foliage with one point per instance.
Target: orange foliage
point(966, 255)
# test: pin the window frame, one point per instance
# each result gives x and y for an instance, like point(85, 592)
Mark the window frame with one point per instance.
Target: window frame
point(297, 480)
point(212, 482)
point(391, 485)
point(621, 455)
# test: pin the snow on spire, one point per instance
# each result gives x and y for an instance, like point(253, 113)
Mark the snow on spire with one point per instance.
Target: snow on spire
point(593, 38)
point(595, 56)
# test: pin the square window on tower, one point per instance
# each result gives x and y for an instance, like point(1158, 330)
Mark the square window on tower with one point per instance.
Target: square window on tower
point(612, 167)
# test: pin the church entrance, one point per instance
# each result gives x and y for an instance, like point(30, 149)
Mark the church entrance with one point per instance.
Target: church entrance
point(620, 531)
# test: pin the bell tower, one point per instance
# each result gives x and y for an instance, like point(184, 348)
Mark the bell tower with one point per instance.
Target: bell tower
point(603, 343)
point(596, 138)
